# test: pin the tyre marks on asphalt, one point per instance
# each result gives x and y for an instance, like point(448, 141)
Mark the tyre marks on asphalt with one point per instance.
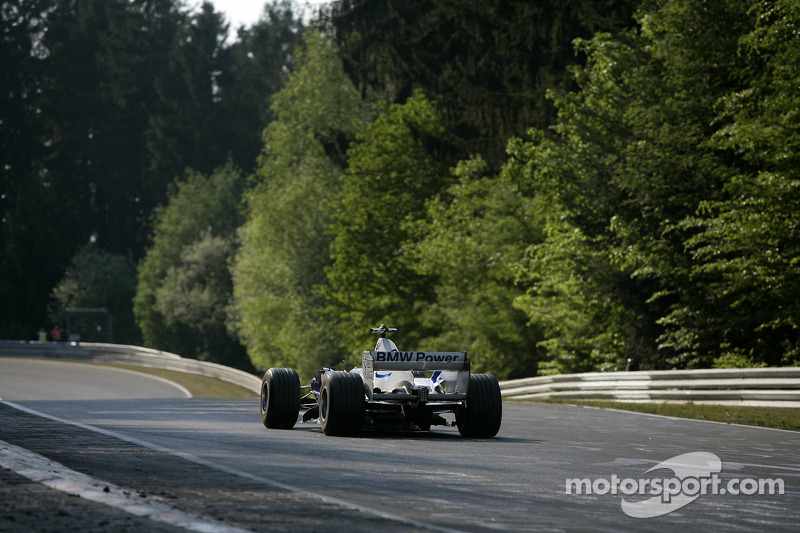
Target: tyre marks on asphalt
point(190, 484)
point(57, 476)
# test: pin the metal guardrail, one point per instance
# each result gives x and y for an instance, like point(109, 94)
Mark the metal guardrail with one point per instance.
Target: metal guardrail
point(773, 387)
point(130, 355)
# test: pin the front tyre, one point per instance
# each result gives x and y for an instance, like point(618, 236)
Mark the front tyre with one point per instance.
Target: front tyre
point(341, 403)
point(280, 398)
point(483, 413)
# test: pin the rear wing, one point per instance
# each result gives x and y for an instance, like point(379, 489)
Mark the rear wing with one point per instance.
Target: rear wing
point(455, 365)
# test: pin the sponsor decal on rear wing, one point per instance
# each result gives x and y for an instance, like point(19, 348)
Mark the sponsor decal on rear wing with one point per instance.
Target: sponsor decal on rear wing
point(455, 366)
point(396, 360)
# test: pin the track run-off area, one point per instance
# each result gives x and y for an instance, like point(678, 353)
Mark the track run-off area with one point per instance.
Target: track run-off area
point(100, 456)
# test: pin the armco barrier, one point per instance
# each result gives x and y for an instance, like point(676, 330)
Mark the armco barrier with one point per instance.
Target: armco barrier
point(130, 355)
point(774, 387)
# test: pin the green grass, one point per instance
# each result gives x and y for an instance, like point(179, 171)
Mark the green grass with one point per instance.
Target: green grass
point(787, 418)
point(199, 386)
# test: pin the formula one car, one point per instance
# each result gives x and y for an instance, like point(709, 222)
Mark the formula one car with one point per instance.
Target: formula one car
point(394, 390)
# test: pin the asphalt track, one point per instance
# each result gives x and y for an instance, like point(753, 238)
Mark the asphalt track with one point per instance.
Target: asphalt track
point(37, 379)
point(214, 461)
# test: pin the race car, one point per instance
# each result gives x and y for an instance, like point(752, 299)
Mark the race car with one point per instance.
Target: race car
point(393, 389)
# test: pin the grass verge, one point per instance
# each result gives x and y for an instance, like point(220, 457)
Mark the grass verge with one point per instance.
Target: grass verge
point(199, 386)
point(787, 418)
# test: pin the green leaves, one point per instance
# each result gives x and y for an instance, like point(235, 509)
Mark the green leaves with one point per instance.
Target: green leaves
point(656, 219)
point(197, 291)
point(745, 246)
point(98, 279)
point(399, 162)
point(655, 222)
point(285, 244)
point(104, 104)
point(472, 238)
point(185, 288)
point(488, 63)
point(671, 229)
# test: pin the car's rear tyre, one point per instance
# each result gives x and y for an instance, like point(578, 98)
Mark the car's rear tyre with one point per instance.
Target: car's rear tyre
point(280, 398)
point(483, 413)
point(341, 403)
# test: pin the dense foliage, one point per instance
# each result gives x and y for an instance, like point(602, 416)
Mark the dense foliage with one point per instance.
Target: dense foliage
point(489, 63)
point(103, 104)
point(659, 237)
point(471, 243)
point(96, 280)
point(551, 186)
point(184, 290)
point(397, 164)
point(285, 243)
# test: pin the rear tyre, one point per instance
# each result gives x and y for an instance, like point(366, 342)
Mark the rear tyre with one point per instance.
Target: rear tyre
point(280, 398)
point(341, 403)
point(483, 413)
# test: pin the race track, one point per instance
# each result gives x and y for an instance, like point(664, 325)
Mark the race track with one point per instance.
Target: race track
point(214, 460)
point(37, 379)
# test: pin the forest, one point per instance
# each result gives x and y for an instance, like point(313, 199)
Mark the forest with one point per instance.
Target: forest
point(552, 186)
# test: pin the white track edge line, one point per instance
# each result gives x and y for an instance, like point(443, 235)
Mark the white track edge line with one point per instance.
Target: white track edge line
point(53, 474)
point(166, 381)
point(229, 470)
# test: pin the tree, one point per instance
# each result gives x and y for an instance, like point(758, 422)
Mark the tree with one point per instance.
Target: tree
point(29, 207)
point(185, 127)
point(98, 279)
point(631, 163)
point(261, 58)
point(103, 60)
point(104, 104)
point(399, 162)
point(184, 288)
point(285, 245)
point(488, 64)
point(195, 296)
point(474, 236)
point(213, 97)
point(747, 248)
